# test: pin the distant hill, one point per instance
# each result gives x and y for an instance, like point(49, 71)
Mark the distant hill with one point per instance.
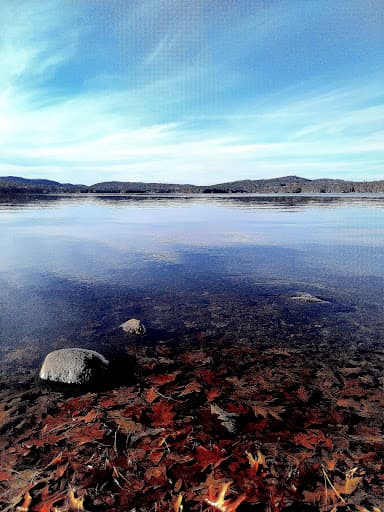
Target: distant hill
point(11, 185)
point(139, 187)
point(285, 184)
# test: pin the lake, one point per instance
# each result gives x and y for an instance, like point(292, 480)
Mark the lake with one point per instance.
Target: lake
point(72, 269)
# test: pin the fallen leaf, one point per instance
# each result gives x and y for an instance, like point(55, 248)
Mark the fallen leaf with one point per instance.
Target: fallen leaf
point(257, 461)
point(268, 410)
point(218, 502)
point(76, 503)
point(192, 387)
point(162, 415)
point(24, 507)
point(49, 501)
point(177, 506)
point(207, 457)
point(225, 418)
point(4, 476)
point(61, 470)
point(55, 460)
point(151, 395)
point(160, 380)
point(311, 439)
point(212, 394)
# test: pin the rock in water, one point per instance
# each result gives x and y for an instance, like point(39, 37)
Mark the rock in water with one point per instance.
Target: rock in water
point(308, 298)
point(74, 366)
point(133, 326)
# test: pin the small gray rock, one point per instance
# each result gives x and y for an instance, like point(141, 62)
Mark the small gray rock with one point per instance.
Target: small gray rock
point(74, 366)
point(307, 298)
point(133, 326)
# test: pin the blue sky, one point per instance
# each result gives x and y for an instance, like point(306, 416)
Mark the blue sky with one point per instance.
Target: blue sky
point(191, 91)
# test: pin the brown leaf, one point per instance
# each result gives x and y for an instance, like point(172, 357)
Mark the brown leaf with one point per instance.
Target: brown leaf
point(4, 417)
point(86, 434)
point(192, 387)
point(126, 425)
point(119, 397)
point(351, 484)
point(367, 434)
point(349, 402)
point(90, 416)
point(61, 470)
point(56, 460)
point(266, 410)
point(150, 395)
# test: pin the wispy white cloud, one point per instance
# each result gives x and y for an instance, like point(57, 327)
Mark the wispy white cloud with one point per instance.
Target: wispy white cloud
point(170, 120)
point(87, 139)
point(34, 40)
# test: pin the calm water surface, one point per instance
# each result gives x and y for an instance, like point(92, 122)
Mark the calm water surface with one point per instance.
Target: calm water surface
point(73, 269)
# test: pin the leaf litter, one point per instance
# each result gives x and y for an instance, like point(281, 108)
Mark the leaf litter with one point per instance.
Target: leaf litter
point(220, 427)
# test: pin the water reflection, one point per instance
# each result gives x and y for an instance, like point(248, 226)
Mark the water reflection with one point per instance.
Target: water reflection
point(72, 269)
point(233, 200)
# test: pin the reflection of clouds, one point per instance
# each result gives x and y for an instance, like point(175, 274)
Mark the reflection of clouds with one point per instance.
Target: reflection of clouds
point(114, 203)
point(205, 240)
point(284, 202)
point(88, 239)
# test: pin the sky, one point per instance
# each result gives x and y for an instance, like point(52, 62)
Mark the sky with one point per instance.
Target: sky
point(191, 91)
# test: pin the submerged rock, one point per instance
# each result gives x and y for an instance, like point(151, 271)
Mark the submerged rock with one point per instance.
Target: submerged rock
point(308, 298)
point(74, 366)
point(133, 326)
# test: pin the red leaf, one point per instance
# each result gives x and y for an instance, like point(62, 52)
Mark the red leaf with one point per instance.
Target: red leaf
point(160, 380)
point(212, 394)
point(208, 376)
point(151, 395)
point(46, 504)
point(56, 460)
point(61, 470)
point(302, 394)
point(86, 434)
point(162, 415)
point(4, 475)
point(256, 426)
point(207, 457)
point(311, 439)
point(76, 405)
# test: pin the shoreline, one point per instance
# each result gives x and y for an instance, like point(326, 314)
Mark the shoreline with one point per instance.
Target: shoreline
point(194, 194)
point(194, 417)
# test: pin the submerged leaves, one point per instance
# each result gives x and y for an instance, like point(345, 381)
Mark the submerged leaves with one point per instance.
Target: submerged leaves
point(245, 430)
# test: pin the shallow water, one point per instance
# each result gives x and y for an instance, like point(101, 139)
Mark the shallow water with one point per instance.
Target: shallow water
point(73, 268)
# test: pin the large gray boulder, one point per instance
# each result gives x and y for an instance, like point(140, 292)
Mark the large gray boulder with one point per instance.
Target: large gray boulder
point(74, 366)
point(133, 326)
